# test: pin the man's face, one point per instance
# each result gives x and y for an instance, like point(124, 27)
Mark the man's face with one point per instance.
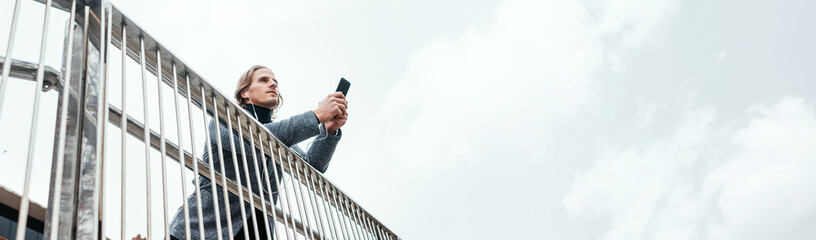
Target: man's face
point(263, 91)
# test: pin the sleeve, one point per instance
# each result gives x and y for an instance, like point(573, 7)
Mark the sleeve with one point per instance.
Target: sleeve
point(289, 131)
point(320, 152)
point(295, 129)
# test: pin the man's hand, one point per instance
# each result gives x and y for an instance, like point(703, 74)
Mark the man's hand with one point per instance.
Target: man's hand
point(336, 122)
point(330, 107)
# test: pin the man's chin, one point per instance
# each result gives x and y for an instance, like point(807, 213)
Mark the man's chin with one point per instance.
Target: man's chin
point(267, 105)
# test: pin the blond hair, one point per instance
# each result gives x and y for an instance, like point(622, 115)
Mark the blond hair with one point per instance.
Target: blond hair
point(243, 83)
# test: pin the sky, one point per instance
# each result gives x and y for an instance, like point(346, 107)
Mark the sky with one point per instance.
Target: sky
point(553, 119)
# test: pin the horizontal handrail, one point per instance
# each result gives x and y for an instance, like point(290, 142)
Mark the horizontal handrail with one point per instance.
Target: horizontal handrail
point(28, 71)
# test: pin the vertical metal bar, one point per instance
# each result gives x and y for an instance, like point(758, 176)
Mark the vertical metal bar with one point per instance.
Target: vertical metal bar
point(308, 197)
point(223, 169)
point(146, 132)
point(352, 217)
point(338, 215)
point(284, 192)
point(246, 175)
point(281, 153)
point(123, 124)
point(10, 46)
point(304, 195)
point(377, 232)
point(338, 210)
point(265, 174)
point(321, 204)
point(162, 146)
point(360, 223)
point(372, 227)
point(356, 211)
point(383, 233)
point(364, 223)
point(347, 217)
point(268, 186)
point(359, 217)
point(210, 157)
point(195, 160)
point(327, 209)
point(296, 186)
point(359, 220)
point(347, 208)
point(181, 154)
point(102, 117)
point(374, 230)
point(312, 201)
point(22, 218)
point(57, 187)
point(352, 225)
point(368, 226)
point(381, 229)
point(237, 173)
point(321, 208)
point(258, 177)
point(324, 207)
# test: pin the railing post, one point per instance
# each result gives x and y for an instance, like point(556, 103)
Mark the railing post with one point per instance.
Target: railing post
point(77, 193)
point(67, 133)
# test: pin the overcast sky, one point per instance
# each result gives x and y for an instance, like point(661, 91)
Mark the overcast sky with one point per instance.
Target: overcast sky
point(556, 119)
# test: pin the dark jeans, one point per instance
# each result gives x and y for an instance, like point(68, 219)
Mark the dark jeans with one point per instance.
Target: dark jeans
point(239, 235)
point(251, 229)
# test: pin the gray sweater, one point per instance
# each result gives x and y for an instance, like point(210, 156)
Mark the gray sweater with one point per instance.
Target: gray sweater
point(289, 131)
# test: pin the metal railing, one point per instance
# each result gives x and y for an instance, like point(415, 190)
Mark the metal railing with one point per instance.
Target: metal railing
point(309, 205)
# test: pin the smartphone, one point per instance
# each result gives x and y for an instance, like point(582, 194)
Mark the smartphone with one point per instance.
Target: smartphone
point(343, 86)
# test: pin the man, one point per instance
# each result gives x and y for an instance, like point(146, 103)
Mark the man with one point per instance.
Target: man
point(257, 92)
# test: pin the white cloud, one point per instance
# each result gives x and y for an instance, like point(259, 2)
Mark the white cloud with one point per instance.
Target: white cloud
point(706, 181)
point(766, 190)
point(526, 71)
point(474, 107)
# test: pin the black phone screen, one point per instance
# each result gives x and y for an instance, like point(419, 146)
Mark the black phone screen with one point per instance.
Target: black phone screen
point(343, 86)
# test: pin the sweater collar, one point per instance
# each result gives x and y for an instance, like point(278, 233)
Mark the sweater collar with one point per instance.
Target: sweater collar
point(264, 115)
